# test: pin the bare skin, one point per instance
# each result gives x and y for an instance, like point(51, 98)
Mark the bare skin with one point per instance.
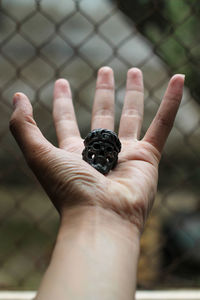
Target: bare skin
point(91, 205)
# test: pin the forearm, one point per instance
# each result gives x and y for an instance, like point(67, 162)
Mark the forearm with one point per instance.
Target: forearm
point(95, 257)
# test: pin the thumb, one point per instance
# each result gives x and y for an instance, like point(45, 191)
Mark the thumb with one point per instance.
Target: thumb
point(25, 130)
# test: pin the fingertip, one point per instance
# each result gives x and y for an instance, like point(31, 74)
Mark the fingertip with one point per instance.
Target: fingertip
point(105, 70)
point(177, 83)
point(134, 79)
point(134, 72)
point(17, 97)
point(105, 78)
point(62, 81)
point(62, 88)
point(22, 113)
point(178, 77)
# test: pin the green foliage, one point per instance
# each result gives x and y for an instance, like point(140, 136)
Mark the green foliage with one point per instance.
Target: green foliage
point(173, 28)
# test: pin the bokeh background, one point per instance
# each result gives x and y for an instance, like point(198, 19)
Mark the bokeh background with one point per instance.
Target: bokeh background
point(42, 40)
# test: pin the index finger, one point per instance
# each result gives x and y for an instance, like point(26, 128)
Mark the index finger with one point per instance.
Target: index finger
point(63, 113)
point(162, 124)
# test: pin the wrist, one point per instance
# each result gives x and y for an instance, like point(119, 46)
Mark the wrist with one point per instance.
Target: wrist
point(104, 251)
point(95, 257)
point(94, 219)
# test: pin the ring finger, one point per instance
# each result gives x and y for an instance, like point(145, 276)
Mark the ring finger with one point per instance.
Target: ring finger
point(132, 113)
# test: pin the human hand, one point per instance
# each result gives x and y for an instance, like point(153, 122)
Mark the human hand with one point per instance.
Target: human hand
point(130, 188)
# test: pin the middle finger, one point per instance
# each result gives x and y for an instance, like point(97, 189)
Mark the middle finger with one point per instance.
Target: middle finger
point(103, 107)
point(132, 113)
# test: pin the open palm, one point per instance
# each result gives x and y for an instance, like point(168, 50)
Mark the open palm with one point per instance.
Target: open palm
point(129, 189)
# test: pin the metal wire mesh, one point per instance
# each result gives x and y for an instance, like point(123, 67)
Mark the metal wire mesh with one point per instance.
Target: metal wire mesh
point(41, 41)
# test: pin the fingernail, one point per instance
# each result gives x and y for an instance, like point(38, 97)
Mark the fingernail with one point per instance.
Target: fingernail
point(183, 76)
point(16, 99)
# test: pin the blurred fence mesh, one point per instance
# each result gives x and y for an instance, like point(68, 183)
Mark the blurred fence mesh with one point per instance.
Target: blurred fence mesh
point(41, 41)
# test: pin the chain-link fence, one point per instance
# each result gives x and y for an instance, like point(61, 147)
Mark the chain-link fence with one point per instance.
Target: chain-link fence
point(44, 40)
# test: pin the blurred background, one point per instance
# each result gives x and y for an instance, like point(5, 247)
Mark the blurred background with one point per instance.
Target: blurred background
point(43, 40)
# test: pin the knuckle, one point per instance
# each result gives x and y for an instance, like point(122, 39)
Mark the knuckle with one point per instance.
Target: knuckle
point(104, 112)
point(134, 113)
point(20, 118)
point(105, 86)
point(28, 118)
